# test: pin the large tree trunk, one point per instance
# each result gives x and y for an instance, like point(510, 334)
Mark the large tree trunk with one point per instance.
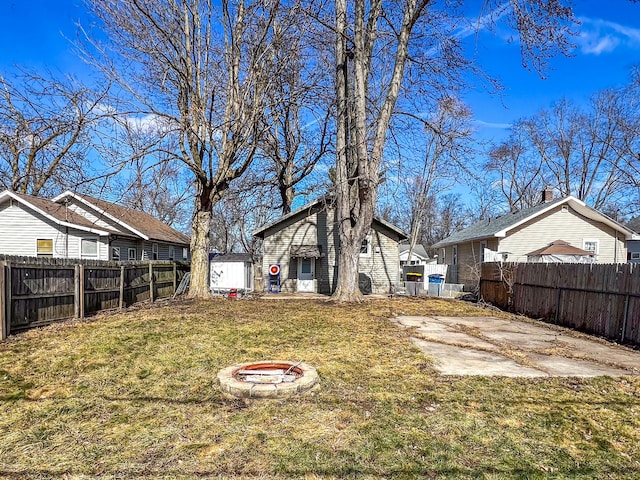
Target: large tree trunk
point(347, 289)
point(200, 241)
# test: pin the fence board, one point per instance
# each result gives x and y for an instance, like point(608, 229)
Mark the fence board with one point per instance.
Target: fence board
point(595, 298)
point(44, 291)
point(4, 323)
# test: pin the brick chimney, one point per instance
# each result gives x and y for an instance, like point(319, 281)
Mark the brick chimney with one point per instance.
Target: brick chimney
point(547, 195)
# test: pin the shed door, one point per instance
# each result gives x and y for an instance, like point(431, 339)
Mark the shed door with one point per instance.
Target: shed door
point(306, 274)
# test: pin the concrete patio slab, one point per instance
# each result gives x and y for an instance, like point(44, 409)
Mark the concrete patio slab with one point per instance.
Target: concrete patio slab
point(493, 346)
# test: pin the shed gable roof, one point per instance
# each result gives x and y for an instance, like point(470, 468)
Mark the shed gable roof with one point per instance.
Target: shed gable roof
point(317, 206)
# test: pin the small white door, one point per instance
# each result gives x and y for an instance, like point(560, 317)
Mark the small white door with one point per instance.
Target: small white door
point(306, 274)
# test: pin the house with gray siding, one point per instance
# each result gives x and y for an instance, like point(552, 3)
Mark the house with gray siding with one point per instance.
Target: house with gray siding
point(78, 226)
point(305, 245)
point(511, 237)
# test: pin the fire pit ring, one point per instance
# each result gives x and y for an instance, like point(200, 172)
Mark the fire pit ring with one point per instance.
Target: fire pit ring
point(267, 379)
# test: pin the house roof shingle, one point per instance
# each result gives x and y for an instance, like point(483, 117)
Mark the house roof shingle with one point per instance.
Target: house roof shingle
point(61, 212)
point(139, 221)
point(417, 250)
point(497, 227)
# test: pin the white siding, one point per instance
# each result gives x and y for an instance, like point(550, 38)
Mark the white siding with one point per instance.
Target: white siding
point(21, 228)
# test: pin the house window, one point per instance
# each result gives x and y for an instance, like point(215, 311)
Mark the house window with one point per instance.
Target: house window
point(185, 253)
point(365, 247)
point(635, 255)
point(444, 255)
point(305, 266)
point(115, 254)
point(88, 247)
point(454, 255)
point(590, 245)
point(154, 251)
point(132, 254)
point(44, 247)
point(483, 245)
point(172, 252)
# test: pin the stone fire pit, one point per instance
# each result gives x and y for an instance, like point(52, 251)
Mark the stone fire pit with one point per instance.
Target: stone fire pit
point(267, 379)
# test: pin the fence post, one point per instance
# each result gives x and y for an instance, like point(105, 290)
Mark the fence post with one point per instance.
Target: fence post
point(175, 278)
point(558, 302)
point(4, 326)
point(121, 303)
point(8, 292)
point(625, 318)
point(79, 291)
point(151, 299)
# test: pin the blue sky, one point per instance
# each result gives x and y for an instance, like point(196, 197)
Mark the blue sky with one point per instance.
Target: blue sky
point(36, 33)
point(607, 47)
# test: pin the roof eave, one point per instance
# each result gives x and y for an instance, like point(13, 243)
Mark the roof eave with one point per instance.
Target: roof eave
point(75, 226)
point(69, 193)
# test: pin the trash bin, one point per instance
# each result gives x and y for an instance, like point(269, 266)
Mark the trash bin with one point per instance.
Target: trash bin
point(413, 282)
point(436, 281)
point(413, 276)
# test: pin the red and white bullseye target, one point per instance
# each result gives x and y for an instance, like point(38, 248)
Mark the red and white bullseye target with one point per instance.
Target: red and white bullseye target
point(274, 269)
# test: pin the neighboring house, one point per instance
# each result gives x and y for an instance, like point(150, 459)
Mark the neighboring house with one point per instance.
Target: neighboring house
point(633, 246)
point(305, 244)
point(514, 235)
point(419, 256)
point(78, 226)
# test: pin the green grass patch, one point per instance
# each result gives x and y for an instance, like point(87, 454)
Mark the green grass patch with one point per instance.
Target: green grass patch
point(134, 394)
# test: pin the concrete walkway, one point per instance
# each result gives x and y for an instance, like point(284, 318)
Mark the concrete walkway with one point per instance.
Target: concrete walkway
point(512, 348)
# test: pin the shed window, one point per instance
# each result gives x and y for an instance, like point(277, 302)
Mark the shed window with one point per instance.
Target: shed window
point(172, 252)
point(115, 254)
point(132, 254)
point(635, 255)
point(154, 251)
point(89, 247)
point(185, 253)
point(454, 255)
point(44, 247)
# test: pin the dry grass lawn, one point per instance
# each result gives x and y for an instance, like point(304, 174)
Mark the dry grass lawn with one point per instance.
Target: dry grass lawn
point(133, 395)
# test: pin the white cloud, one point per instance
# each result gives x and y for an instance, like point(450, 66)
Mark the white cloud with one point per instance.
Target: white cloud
point(599, 36)
point(483, 124)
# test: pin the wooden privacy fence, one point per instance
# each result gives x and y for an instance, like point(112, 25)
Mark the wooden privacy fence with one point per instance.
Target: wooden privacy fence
point(36, 292)
point(594, 298)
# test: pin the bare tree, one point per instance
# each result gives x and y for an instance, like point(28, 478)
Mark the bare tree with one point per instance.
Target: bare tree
point(45, 127)
point(447, 136)
point(297, 134)
point(158, 189)
point(519, 171)
point(379, 36)
point(443, 216)
point(203, 69)
point(239, 213)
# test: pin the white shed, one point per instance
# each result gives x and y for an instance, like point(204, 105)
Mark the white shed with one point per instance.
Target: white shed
point(233, 270)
